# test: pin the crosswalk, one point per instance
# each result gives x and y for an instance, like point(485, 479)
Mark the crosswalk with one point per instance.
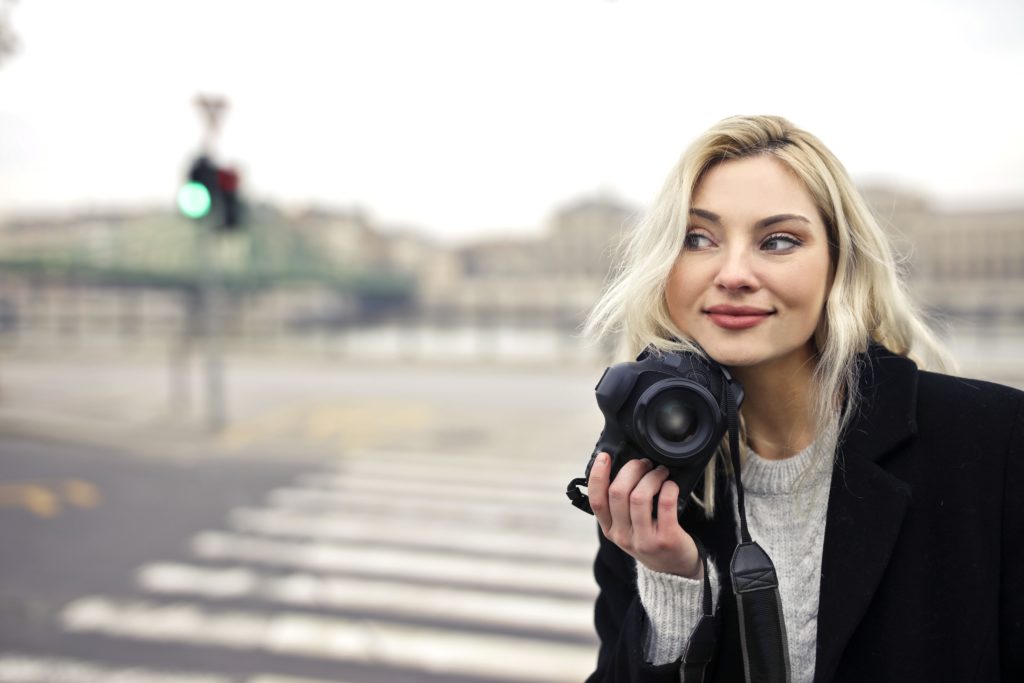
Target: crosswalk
point(463, 567)
point(30, 669)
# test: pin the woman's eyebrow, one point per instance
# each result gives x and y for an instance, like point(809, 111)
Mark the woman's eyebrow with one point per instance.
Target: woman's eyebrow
point(763, 223)
point(778, 218)
point(713, 217)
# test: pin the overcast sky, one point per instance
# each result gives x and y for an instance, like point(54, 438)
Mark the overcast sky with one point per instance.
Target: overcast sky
point(477, 116)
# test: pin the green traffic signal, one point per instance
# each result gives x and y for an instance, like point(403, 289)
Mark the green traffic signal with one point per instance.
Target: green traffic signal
point(194, 200)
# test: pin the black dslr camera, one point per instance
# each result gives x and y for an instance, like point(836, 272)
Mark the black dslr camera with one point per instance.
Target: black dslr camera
point(668, 407)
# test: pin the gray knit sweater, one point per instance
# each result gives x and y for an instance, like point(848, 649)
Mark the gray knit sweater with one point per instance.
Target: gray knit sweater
point(786, 502)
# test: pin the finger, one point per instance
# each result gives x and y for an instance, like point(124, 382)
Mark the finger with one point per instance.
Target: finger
point(641, 501)
point(621, 488)
point(597, 490)
point(668, 516)
point(669, 531)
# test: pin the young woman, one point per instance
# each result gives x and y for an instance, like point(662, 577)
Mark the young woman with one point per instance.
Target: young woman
point(890, 497)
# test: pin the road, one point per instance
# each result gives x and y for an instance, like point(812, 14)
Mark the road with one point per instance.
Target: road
point(363, 525)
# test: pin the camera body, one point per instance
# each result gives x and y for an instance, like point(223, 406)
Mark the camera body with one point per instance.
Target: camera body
point(668, 407)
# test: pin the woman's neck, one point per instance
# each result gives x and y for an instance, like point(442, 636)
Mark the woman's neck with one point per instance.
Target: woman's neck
point(777, 405)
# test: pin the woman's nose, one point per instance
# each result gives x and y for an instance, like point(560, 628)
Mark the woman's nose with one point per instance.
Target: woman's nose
point(736, 272)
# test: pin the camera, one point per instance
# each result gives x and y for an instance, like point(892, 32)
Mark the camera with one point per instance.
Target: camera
point(666, 406)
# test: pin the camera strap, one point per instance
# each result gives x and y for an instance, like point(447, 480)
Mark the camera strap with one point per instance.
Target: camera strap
point(577, 497)
point(700, 648)
point(756, 586)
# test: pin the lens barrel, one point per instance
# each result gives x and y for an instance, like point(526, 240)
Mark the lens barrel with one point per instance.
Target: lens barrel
point(675, 420)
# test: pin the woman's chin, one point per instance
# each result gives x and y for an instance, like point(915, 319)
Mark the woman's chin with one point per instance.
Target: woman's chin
point(748, 355)
point(734, 355)
point(737, 360)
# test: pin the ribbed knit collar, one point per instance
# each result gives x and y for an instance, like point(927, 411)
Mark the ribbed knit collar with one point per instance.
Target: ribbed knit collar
point(804, 470)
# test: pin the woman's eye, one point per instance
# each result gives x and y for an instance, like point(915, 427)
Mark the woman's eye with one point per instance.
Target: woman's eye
point(780, 243)
point(696, 240)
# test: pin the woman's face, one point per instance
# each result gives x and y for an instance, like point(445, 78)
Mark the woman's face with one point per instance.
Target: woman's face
point(751, 280)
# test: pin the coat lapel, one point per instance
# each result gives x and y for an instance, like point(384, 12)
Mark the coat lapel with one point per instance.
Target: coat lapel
point(866, 504)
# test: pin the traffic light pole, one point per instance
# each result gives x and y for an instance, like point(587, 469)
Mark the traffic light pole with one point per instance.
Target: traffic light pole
point(216, 414)
point(213, 358)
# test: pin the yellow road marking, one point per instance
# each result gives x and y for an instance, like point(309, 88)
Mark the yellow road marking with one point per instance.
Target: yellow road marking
point(348, 424)
point(80, 493)
point(45, 498)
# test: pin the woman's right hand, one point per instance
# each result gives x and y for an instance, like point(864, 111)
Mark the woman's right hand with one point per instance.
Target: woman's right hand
point(624, 508)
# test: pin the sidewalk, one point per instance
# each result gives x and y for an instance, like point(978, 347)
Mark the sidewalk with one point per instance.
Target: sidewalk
point(121, 405)
point(298, 408)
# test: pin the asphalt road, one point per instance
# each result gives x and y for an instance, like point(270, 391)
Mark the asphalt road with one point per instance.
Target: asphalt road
point(392, 526)
point(78, 520)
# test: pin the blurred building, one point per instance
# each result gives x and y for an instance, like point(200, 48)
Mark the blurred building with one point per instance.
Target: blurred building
point(963, 265)
point(133, 275)
point(552, 278)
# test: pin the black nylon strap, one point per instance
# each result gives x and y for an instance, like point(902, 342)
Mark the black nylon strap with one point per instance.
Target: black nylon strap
point(693, 671)
point(703, 554)
point(734, 452)
point(756, 586)
point(577, 497)
point(700, 648)
point(759, 604)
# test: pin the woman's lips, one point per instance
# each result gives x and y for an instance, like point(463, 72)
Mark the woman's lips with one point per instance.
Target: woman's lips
point(737, 319)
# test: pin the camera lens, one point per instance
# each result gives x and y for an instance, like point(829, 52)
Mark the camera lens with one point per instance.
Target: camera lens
point(675, 420)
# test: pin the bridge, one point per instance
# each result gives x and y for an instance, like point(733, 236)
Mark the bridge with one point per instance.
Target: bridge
point(162, 251)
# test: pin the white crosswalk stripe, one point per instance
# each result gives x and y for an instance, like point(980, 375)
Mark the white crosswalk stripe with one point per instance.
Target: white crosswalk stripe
point(21, 668)
point(525, 493)
point(416, 564)
point(428, 533)
point(460, 465)
point(433, 649)
point(473, 511)
point(16, 668)
point(484, 473)
point(569, 616)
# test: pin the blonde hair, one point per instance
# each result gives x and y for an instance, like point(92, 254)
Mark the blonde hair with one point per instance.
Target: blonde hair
point(867, 302)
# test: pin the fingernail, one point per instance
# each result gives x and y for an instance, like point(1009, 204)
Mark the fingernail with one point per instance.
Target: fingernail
point(602, 458)
point(661, 468)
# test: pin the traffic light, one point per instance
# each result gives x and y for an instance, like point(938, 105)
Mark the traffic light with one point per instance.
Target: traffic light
point(210, 191)
point(227, 184)
point(194, 200)
point(199, 193)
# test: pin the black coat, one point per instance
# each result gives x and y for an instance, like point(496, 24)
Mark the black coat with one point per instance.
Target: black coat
point(923, 560)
